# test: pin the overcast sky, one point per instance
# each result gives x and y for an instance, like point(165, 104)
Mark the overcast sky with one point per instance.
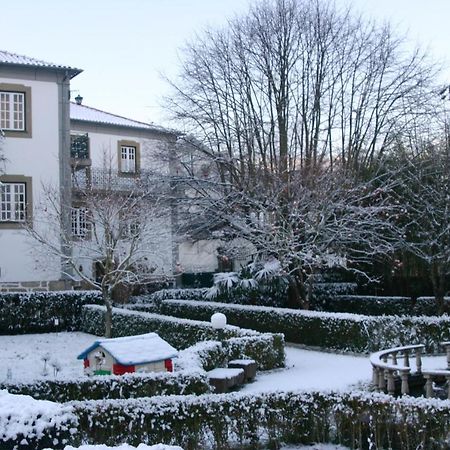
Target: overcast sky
point(123, 46)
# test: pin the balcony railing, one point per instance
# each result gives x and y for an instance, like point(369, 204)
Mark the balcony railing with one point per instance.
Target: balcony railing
point(110, 180)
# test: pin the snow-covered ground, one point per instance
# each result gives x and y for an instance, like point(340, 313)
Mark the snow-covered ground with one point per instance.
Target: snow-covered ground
point(23, 357)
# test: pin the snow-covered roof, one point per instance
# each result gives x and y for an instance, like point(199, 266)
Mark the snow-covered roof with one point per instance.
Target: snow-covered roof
point(131, 350)
point(88, 114)
point(20, 60)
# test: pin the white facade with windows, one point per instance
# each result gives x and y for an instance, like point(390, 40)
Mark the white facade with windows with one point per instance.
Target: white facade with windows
point(34, 118)
point(50, 142)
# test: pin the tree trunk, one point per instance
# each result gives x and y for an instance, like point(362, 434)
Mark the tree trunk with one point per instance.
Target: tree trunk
point(296, 292)
point(108, 314)
point(438, 281)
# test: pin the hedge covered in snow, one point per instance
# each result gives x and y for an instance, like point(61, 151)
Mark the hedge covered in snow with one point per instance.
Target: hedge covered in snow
point(237, 420)
point(113, 387)
point(377, 305)
point(43, 312)
point(339, 331)
point(26, 423)
point(266, 348)
point(357, 420)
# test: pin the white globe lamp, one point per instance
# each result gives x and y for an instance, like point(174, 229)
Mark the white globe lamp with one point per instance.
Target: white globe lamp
point(218, 321)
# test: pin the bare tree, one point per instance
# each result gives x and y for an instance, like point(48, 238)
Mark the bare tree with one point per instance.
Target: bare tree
point(294, 85)
point(331, 221)
point(425, 197)
point(116, 224)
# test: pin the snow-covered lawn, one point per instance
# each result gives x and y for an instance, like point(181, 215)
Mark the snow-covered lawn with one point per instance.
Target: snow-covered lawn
point(311, 370)
point(22, 355)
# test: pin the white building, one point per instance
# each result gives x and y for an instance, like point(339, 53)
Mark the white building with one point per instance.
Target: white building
point(34, 117)
point(51, 141)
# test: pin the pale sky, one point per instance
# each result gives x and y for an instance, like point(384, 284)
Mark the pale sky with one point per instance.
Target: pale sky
point(124, 45)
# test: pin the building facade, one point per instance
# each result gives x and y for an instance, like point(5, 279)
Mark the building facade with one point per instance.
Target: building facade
point(35, 123)
point(50, 141)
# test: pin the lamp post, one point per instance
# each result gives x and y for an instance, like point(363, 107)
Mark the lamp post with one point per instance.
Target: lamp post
point(219, 322)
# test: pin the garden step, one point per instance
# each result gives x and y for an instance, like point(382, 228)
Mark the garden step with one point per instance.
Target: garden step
point(248, 365)
point(225, 379)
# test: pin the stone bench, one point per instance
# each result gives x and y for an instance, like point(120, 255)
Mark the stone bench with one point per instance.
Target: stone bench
point(225, 379)
point(248, 365)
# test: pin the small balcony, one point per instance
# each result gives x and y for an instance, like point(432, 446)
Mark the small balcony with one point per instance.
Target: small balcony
point(79, 152)
point(109, 180)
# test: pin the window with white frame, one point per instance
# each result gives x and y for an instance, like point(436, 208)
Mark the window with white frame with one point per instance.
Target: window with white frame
point(127, 159)
point(79, 222)
point(13, 202)
point(12, 111)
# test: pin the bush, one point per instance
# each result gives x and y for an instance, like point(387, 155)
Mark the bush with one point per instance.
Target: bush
point(372, 305)
point(113, 387)
point(357, 420)
point(336, 331)
point(35, 312)
point(29, 424)
point(267, 349)
point(365, 304)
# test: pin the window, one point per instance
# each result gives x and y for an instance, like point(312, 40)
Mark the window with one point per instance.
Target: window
point(128, 157)
point(79, 222)
point(15, 110)
point(15, 201)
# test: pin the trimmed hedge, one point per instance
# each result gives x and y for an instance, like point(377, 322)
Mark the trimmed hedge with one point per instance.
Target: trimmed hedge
point(113, 387)
point(29, 424)
point(337, 331)
point(378, 305)
point(267, 348)
point(35, 312)
point(357, 420)
point(237, 420)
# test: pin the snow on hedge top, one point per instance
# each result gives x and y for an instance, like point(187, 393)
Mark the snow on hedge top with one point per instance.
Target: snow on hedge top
point(124, 447)
point(130, 350)
point(22, 415)
point(88, 114)
point(21, 60)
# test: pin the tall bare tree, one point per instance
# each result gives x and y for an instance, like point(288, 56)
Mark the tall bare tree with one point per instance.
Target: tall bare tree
point(296, 85)
point(424, 194)
point(291, 102)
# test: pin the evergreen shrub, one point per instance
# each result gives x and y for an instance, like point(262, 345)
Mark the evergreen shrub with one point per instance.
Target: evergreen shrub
point(43, 312)
point(113, 387)
point(356, 420)
point(266, 348)
point(335, 331)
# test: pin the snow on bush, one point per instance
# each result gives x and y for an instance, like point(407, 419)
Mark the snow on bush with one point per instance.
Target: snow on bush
point(26, 421)
point(111, 387)
point(339, 331)
point(266, 348)
point(124, 447)
point(38, 312)
point(238, 420)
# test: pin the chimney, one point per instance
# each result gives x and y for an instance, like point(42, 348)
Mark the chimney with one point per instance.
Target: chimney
point(79, 99)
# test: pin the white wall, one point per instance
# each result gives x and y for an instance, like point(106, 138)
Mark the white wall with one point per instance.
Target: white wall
point(35, 157)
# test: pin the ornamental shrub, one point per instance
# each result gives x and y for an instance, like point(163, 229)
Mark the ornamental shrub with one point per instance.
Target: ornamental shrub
point(266, 348)
point(239, 420)
point(43, 312)
point(113, 387)
point(335, 331)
